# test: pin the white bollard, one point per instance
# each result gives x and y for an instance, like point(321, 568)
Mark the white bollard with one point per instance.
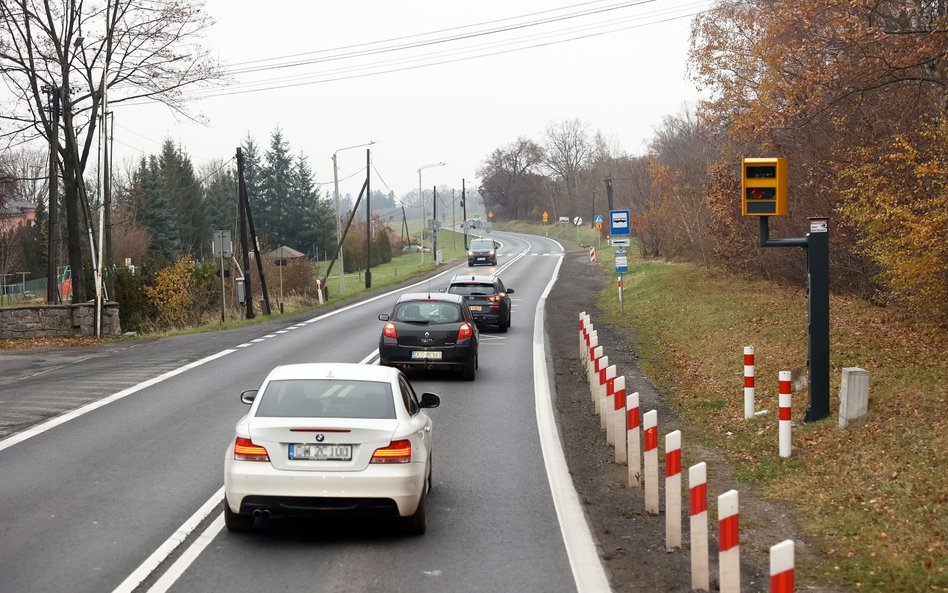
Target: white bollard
point(698, 526)
point(749, 388)
point(729, 549)
point(605, 402)
point(784, 415)
point(650, 424)
point(781, 567)
point(619, 418)
point(592, 340)
point(634, 439)
point(673, 490)
point(582, 332)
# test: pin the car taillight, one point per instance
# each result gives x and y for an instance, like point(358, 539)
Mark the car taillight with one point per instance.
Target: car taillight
point(496, 298)
point(389, 330)
point(465, 331)
point(396, 452)
point(246, 450)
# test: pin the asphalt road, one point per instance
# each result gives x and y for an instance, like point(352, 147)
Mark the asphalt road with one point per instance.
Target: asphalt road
point(126, 496)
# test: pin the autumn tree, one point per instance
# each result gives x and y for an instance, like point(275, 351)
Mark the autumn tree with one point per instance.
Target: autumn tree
point(81, 50)
point(511, 182)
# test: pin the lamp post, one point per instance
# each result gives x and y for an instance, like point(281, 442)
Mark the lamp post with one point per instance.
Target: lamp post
point(335, 182)
point(421, 197)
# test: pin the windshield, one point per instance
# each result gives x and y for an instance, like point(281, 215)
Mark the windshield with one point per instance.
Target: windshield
point(482, 244)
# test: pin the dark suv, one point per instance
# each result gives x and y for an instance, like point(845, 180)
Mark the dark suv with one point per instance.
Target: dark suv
point(482, 251)
point(486, 297)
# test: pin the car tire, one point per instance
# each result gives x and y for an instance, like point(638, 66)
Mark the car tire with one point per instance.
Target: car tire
point(235, 522)
point(503, 325)
point(470, 369)
point(416, 524)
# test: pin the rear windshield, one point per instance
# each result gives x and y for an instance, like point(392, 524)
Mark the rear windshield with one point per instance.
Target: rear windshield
point(482, 244)
point(327, 398)
point(472, 289)
point(428, 312)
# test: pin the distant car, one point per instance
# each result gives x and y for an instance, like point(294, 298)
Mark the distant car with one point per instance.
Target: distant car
point(415, 249)
point(430, 331)
point(482, 251)
point(486, 296)
point(330, 437)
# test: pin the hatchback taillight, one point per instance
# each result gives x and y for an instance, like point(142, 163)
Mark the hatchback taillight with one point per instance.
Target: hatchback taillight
point(396, 452)
point(389, 330)
point(246, 450)
point(496, 298)
point(465, 331)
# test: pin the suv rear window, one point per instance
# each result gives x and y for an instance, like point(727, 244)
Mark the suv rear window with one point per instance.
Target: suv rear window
point(472, 289)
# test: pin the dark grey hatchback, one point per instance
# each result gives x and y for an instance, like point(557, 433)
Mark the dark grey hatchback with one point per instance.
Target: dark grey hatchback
point(486, 296)
point(430, 331)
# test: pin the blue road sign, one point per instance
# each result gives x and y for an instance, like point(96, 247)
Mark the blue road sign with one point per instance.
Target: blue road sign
point(619, 222)
point(597, 219)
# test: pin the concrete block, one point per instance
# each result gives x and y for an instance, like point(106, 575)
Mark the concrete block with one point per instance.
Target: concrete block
point(853, 395)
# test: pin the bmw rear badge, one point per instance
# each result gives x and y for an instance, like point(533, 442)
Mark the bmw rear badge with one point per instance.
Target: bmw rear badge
point(320, 438)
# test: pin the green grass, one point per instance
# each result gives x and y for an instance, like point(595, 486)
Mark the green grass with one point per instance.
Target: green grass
point(871, 499)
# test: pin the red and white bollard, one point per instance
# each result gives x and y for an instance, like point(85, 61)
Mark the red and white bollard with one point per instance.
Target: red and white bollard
point(673, 490)
point(729, 549)
point(784, 415)
point(592, 254)
point(582, 334)
point(749, 387)
point(592, 340)
point(698, 526)
point(781, 567)
point(650, 424)
point(605, 403)
point(634, 440)
point(595, 353)
point(596, 385)
point(619, 418)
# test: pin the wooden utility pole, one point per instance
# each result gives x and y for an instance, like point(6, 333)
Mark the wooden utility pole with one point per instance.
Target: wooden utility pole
point(244, 246)
point(52, 277)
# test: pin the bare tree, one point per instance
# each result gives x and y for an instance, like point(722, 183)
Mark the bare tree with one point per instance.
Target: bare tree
point(568, 151)
point(511, 182)
point(81, 50)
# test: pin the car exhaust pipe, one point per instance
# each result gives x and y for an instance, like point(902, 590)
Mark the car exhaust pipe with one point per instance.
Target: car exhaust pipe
point(261, 513)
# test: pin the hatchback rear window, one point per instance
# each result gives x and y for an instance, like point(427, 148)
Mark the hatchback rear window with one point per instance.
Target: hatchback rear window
point(428, 312)
point(327, 398)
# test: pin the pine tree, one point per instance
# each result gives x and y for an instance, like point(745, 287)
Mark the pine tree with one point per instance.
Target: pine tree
point(220, 199)
point(186, 199)
point(152, 210)
point(275, 219)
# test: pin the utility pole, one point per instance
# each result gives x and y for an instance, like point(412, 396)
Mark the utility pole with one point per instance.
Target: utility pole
point(608, 181)
point(464, 209)
point(242, 201)
point(52, 278)
point(434, 224)
point(368, 218)
point(454, 223)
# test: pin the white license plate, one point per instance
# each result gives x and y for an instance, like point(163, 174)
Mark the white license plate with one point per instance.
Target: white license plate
point(475, 307)
point(315, 452)
point(428, 354)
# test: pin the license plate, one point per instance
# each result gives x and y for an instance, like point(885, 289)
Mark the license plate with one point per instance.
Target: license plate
point(427, 354)
point(475, 307)
point(315, 452)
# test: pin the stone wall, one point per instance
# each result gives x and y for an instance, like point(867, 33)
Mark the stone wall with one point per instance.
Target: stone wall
point(57, 321)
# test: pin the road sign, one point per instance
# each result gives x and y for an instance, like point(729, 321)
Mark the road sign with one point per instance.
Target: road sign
point(620, 241)
point(597, 219)
point(222, 246)
point(578, 220)
point(619, 222)
point(598, 225)
point(546, 216)
point(622, 261)
point(490, 214)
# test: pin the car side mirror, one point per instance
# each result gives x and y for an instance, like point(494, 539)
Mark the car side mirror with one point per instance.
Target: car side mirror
point(430, 400)
point(383, 317)
point(442, 289)
point(510, 291)
point(248, 396)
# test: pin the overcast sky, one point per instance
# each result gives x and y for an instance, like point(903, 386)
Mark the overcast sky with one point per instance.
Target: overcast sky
point(622, 82)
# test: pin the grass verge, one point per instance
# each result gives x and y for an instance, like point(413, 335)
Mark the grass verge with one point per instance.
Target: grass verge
point(872, 496)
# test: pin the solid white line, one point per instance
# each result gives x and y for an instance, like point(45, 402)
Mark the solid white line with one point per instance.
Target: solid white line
point(188, 557)
point(588, 572)
point(53, 423)
point(165, 549)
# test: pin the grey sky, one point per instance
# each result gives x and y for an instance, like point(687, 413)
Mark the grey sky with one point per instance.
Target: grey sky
point(621, 83)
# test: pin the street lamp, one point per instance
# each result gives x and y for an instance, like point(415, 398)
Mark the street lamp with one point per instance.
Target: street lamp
point(421, 197)
point(335, 181)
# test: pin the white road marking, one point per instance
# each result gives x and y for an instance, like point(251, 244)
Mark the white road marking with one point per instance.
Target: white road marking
point(159, 555)
point(53, 423)
point(588, 572)
point(188, 556)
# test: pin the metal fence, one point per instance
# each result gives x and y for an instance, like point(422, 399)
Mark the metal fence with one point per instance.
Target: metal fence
point(14, 293)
